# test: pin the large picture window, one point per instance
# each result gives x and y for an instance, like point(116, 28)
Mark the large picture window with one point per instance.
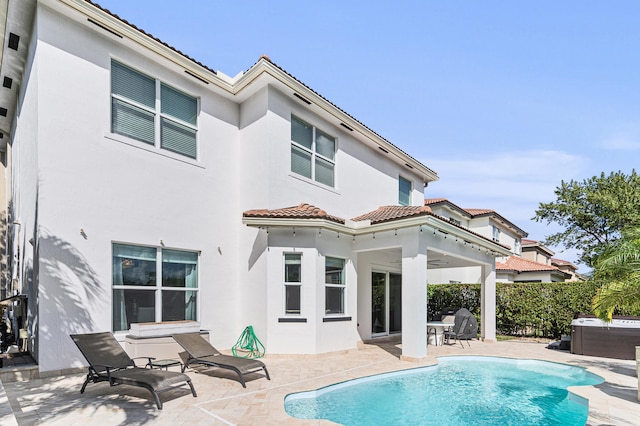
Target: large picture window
point(292, 282)
point(335, 285)
point(312, 152)
point(138, 294)
point(148, 110)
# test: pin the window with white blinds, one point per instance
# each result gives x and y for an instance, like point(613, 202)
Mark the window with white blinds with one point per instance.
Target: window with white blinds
point(312, 152)
point(148, 110)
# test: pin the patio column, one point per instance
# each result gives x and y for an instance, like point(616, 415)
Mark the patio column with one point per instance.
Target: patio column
point(414, 300)
point(488, 303)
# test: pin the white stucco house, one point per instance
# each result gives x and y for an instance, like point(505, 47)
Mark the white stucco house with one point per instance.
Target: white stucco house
point(536, 264)
point(144, 186)
point(486, 222)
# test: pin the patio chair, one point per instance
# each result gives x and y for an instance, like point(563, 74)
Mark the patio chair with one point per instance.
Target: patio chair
point(465, 327)
point(108, 362)
point(200, 351)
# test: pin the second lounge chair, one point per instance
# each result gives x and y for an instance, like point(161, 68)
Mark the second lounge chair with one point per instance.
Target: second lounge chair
point(200, 351)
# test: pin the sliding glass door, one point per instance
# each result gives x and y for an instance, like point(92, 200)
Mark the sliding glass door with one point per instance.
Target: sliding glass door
point(386, 303)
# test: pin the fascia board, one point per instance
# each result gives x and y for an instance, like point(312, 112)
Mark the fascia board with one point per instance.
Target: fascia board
point(282, 77)
point(125, 30)
point(236, 86)
point(350, 228)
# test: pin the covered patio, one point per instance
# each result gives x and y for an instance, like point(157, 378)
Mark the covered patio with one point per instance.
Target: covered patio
point(390, 252)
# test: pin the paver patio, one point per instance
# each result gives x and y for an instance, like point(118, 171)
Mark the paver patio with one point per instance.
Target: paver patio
point(222, 400)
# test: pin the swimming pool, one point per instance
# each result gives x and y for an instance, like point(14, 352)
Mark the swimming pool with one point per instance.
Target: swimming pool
point(459, 390)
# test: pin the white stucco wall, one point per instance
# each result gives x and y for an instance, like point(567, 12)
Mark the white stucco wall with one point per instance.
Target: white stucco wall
point(119, 190)
point(79, 189)
point(94, 188)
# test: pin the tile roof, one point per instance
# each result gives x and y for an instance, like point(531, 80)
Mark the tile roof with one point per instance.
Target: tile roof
point(475, 212)
point(390, 213)
point(526, 242)
point(301, 211)
point(428, 201)
point(380, 215)
point(515, 263)
point(563, 262)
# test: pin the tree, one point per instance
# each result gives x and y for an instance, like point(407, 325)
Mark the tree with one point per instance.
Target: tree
point(593, 212)
point(619, 269)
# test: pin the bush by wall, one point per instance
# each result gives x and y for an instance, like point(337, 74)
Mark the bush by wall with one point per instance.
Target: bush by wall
point(522, 309)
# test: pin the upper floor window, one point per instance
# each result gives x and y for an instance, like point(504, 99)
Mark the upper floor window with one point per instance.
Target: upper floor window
point(335, 285)
point(140, 296)
point(455, 221)
point(148, 110)
point(516, 246)
point(312, 152)
point(292, 282)
point(496, 233)
point(404, 191)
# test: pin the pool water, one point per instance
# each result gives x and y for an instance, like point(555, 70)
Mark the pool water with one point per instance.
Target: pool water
point(458, 391)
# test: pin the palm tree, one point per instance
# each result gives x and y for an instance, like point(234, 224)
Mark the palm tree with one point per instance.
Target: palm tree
point(619, 269)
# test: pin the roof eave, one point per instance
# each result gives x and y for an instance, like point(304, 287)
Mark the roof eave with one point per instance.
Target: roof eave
point(264, 66)
point(358, 228)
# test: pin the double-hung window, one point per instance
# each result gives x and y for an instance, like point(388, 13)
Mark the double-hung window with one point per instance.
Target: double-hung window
point(496, 233)
point(335, 285)
point(404, 191)
point(152, 284)
point(150, 111)
point(312, 152)
point(292, 282)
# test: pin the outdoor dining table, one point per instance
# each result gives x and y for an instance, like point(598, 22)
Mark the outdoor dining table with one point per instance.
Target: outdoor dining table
point(437, 329)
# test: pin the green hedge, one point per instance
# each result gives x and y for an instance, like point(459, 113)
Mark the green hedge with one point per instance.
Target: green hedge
point(522, 309)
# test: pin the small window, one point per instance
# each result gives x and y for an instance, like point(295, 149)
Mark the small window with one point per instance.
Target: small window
point(292, 283)
point(312, 152)
point(136, 114)
point(334, 285)
point(516, 246)
point(496, 233)
point(404, 190)
point(455, 221)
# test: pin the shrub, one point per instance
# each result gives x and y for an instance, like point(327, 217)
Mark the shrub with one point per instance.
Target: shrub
point(522, 309)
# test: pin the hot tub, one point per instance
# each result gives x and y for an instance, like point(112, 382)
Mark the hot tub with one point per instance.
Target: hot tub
point(617, 339)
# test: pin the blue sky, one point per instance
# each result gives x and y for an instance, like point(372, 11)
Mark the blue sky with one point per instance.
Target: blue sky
point(503, 99)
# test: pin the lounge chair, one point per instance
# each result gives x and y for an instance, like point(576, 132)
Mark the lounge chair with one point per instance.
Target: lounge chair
point(108, 362)
point(465, 327)
point(200, 351)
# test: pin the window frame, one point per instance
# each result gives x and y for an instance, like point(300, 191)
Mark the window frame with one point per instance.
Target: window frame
point(159, 117)
point(313, 152)
point(495, 233)
point(288, 284)
point(158, 288)
point(402, 179)
point(342, 286)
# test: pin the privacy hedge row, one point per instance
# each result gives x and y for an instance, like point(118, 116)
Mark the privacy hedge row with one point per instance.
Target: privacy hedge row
point(522, 309)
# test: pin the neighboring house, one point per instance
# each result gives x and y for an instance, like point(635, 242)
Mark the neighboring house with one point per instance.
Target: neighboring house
point(535, 265)
point(529, 261)
point(517, 269)
point(148, 187)
point(485, 222)
point(536, 252)
point(567, 267)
